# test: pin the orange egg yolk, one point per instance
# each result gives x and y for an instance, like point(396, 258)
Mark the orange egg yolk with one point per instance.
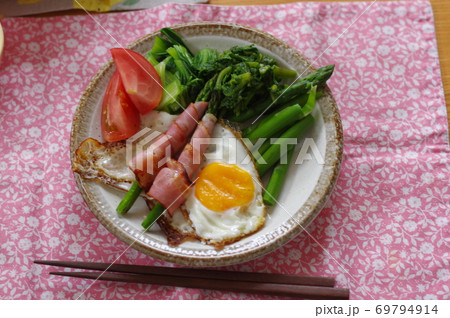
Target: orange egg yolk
point(223, 186)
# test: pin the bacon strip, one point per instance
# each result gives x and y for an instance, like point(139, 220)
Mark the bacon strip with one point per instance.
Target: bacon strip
point(191, 157)
point(172, 182)
point(170, 185)
point(147, 163)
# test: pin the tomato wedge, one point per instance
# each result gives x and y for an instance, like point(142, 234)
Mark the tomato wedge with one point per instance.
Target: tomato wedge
point(141, 81)
point(120, 119)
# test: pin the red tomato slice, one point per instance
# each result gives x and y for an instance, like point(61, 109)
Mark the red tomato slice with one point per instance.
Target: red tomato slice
point(141, 81)
point(120, 119)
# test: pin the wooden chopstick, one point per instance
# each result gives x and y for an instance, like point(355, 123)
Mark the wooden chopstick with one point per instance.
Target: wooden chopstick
point(298, 291)
point(311, 287)
point(198, 273)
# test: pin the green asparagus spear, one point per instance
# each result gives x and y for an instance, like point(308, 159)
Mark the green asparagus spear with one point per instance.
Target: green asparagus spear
point(277, 122)
point(129, 198)
point(276, 180)
point(301, 100)
point(318, 78)
point(256, 153)
point(249, 129)
point(279, 148)
point(154, 214)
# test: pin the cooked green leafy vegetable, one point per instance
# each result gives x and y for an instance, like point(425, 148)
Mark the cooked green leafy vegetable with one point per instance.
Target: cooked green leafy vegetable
point(231, 81)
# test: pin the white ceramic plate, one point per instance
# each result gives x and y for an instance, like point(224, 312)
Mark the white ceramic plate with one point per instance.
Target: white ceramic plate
point(305, 191)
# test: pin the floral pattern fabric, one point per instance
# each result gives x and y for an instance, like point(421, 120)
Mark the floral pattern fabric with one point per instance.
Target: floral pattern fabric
point(384, 232)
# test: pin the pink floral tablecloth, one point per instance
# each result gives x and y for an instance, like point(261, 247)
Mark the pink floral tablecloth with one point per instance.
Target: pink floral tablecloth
point(383, 234)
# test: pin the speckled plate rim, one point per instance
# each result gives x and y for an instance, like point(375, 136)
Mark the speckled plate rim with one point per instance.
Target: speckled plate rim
point(262, 244)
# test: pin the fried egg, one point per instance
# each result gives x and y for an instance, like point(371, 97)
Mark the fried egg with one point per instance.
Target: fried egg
point(225, 204)
point(105, 162)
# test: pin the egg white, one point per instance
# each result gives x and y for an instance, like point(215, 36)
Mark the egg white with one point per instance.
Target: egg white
point(218, 228)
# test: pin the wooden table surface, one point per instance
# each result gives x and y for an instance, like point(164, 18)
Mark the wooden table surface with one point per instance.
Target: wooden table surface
point(441, 10)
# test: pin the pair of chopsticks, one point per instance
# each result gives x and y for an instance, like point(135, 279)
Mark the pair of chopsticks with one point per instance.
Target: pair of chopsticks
point(310, 287)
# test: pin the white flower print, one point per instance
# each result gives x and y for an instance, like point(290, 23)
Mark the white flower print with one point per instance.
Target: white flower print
point(306, 29)
point(36, 270)
point(60, 295)
point(426, 130)
point(53, 242)
point(53, 148)
point(378, 264)
point(413, 46)
point(47, 27)
point(330, 231)
point(428, 28)
point(26, 154)
point(39, 88)
point(430, 297)
point(2, 259)
point(75, 27)
point(33, 221)
point(413, 93)
point(34, 132)
point(398, 70)
point(77, 199)
point(443, 274)
point(396, 134)
point(73, 67)
point(48, 199)
point(355, 215)
point(34, 47)
point(47, 295)
point(74, 248)
point(26, 67)
point(53, 63)
point(401, 114)
point(441, 221)
point(400, 11)
point(414, 202)
point(426, 248)
point(361, 62)
point(71, 43)
point(383, 50)
point(427, 178)
point(38, 174)
point(4, 79)
point(100, 50)
point(73, 219)
point(24, 244)
point(410, 226)
point(294, 254)
point(388, 30)
point(364, 168)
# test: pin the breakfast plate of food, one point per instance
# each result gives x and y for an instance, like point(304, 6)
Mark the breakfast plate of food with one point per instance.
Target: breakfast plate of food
point(207, 144)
